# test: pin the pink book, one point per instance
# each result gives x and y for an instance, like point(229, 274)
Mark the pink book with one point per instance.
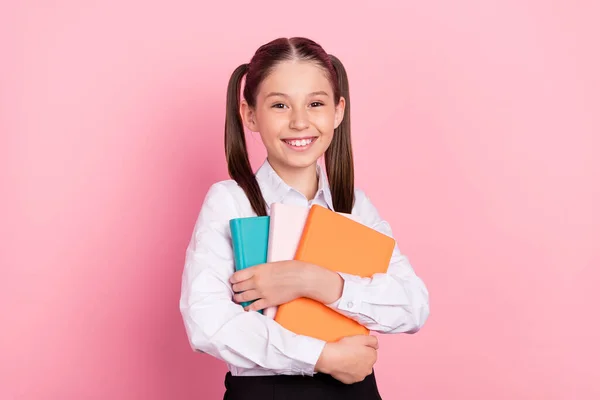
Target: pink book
point(285, 230)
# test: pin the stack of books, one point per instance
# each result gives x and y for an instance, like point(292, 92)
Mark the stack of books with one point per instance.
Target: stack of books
point(316, 235)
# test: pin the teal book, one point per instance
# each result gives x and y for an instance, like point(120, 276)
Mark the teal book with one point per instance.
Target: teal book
point(250, 240)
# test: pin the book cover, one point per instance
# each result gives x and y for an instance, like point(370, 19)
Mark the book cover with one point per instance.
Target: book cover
point(339, 244)
point(285, 230)
point(250, 240)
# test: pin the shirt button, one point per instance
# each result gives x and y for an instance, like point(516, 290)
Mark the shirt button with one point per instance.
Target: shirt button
point(350, 304)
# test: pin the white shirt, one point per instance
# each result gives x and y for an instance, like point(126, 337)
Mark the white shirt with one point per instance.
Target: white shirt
point(253, 344)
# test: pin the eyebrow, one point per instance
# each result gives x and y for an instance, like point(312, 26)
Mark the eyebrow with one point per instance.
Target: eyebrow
point(272, 94)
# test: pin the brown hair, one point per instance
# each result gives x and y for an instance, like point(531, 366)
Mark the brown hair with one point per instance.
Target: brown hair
point(339, 162)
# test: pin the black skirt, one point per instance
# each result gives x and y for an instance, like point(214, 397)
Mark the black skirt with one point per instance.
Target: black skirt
point(298, 387)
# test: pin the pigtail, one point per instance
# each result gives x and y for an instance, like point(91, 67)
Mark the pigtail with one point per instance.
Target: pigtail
point(339, 162)
point(236, 151)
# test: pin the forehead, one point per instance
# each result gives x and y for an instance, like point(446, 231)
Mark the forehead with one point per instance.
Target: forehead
point(296, 78)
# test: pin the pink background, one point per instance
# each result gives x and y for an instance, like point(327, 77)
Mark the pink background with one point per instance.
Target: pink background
point(482, 116)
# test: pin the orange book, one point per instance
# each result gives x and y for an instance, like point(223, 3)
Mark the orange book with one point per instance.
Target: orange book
point(340, 244)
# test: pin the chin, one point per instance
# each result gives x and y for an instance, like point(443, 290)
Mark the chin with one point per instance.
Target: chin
point(299, 160)
point(303, 163)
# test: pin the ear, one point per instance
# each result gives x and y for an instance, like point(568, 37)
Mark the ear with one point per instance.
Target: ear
point(248, 116)
point(340, 109)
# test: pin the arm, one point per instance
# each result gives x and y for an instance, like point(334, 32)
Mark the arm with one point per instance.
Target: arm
point(218, 326)
point(394, 302)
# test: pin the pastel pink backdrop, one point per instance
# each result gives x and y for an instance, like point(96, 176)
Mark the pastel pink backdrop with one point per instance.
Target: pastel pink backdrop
point(476, 132)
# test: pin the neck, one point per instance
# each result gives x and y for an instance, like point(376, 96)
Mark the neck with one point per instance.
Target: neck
point(304, 180)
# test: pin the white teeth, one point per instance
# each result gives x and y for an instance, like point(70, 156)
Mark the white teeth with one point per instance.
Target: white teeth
point(300, 143)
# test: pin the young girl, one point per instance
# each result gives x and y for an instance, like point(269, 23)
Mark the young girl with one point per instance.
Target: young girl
point(296, 96)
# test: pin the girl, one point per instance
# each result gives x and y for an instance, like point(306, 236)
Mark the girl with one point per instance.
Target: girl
point(296, 96)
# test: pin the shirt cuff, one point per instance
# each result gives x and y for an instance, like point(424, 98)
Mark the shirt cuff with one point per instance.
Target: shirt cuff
point(305, 353)
point(350, 300)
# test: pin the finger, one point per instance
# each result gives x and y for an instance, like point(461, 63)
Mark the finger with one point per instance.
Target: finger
point(242, 275)
point(243, 286)
point(372, 341)
point(248, 295)
point(259, 304)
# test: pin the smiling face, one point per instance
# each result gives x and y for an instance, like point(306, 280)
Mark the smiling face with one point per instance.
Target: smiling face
point(295, 114)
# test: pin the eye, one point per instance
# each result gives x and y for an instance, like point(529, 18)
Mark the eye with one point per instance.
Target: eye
point(278, 105)
point(316, 104)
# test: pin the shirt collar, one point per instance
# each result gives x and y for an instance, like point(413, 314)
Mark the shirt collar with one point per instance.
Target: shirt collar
point(274, 189)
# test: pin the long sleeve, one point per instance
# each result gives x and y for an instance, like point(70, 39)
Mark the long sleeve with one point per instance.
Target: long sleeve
point(394, 302)
point(214, 323)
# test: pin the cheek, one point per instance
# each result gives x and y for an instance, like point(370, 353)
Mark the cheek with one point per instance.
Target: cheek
point(271, 126)
point(325, 123)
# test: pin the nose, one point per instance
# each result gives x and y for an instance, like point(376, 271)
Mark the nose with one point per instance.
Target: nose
point(299, 119)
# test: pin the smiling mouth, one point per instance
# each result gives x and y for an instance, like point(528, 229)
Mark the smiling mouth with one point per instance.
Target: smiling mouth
point(300, 143)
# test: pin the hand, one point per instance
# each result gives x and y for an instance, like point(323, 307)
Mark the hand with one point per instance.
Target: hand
point(350, 359)
point(270, 284)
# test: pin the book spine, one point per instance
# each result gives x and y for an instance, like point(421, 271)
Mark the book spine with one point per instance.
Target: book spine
point(237, 238)
point(305, 237)
point(238, 245)
point(272, 222)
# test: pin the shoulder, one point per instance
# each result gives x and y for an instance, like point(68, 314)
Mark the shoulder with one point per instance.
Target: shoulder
point(360, 196)
point(225, 199)
point(366, 210)
point(223, 191)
